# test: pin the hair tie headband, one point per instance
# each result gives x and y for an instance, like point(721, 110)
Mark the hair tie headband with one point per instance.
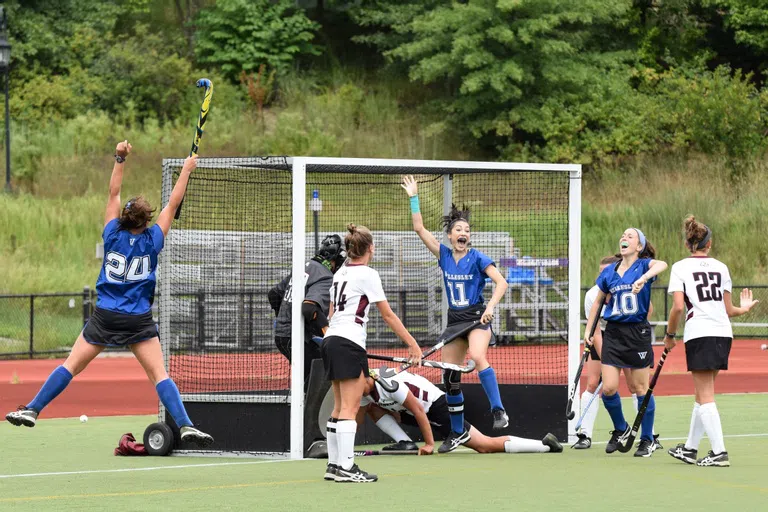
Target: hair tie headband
point(704, 241)
point(641, 236)
point(128, 204)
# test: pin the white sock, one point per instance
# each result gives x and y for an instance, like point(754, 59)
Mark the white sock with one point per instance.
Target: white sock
point(345, 433)
point(710, 418)
point(696, 430)
point(332, 441)
point(637, 409)
point(522, 445)
point(389, 425)
point(588, 423)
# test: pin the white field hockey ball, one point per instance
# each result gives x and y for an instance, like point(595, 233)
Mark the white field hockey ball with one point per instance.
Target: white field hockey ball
point(83, 418)
point(763, 347)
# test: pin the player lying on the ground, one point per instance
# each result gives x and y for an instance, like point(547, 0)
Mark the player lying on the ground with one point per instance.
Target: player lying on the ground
point(422, 404)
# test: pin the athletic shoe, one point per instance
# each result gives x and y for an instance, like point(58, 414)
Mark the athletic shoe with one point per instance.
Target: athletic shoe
point(656, 442)
point(680, 452)
point(720, 460)
point(500, 419)
point(613, 442)
point(330, 472)
point(198, 437)
point(22, 416)
point(354, 474)
point(453, 441)
point(645, 449)
point(401, 446)
point(583, 443)
point(551, 441)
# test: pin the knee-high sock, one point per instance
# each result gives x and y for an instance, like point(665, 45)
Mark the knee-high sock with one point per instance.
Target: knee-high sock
point(710, 418)
point(650, 415)
point(588, 423)
point(636, 405)
point(56, 382)
point(169, 395)
point(696, 430)
point(345, 433)
point(333, 443)
point(392, 428)
point(456, 410)
point(523, 445)
point(491, 387)
point(613, 406)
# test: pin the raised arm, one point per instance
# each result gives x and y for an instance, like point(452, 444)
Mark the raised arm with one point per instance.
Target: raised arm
point(411, 188)
point(655, 267)
point(166, 216)
point(116, 181)
point(394, 323)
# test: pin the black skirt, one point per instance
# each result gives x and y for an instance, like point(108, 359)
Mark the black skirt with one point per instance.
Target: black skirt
point(459, 319)
point(708, 353)
point(343, 358)
point(628, 345)
point(113, 329)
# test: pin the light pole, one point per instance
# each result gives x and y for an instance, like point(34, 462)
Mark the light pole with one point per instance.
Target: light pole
point(5, 64)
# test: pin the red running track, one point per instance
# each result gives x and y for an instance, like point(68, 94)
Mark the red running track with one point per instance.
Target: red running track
point(113, 386)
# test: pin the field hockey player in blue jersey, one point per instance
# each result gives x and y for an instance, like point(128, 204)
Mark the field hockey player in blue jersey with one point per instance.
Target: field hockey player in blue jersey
point(464, 273)
point(627, 337)
point(126, 290)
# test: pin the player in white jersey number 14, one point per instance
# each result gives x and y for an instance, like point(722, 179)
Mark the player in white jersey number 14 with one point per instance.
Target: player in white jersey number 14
point(355, 287)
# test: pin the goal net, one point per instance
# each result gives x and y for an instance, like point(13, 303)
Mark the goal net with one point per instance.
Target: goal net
point(246, 223)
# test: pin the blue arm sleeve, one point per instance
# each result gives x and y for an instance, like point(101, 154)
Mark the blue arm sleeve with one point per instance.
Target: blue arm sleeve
point(445, 253)
point(109, 229)
point(158, 240)
point(602, 279)
point(484, 261)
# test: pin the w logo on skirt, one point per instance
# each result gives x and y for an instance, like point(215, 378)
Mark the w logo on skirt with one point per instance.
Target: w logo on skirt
point(642, 354)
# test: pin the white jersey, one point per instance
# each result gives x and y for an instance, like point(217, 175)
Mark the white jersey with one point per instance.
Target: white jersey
point(589, 300)
point(354, 289)
point(425, 392)
point(703, 281)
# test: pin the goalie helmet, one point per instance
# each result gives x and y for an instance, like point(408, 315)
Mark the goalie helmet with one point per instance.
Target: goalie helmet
point(331, 250)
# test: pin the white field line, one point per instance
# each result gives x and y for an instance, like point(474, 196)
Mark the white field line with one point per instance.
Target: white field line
point(154, 468)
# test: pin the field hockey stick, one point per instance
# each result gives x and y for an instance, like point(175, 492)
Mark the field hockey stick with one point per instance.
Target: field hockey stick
point(589, 404)
point(569, 413)
point(468, 368)
point(204, 108)
point(369, 453)
point(443, 342)
point(625, 443)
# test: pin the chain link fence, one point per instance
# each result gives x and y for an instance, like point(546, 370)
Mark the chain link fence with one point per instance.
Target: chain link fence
point(47, 324)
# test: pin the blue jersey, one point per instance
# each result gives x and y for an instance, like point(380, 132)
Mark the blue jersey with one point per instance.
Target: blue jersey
point(127, 280)
point(465, 280)
point(625, 306)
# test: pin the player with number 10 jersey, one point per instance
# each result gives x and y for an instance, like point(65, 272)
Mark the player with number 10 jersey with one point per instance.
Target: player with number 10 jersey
point(627, 337)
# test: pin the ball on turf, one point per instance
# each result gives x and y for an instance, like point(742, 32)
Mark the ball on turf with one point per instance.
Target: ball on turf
point(763, 347)
point(83, 418)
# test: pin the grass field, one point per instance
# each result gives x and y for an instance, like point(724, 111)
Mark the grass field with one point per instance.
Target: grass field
point(80, 473)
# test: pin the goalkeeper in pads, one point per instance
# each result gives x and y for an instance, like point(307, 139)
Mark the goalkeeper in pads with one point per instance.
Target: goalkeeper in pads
point(318, 278)
point(420, 403)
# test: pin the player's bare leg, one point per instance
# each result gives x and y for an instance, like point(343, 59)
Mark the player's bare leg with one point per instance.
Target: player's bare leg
point(478, 352)
point(350, 391)
point(511, 444)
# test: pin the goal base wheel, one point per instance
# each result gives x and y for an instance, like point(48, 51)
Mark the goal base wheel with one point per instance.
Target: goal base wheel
point(158, 439)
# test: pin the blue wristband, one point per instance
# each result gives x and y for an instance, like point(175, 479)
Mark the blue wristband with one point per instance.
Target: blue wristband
point(415, 204)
